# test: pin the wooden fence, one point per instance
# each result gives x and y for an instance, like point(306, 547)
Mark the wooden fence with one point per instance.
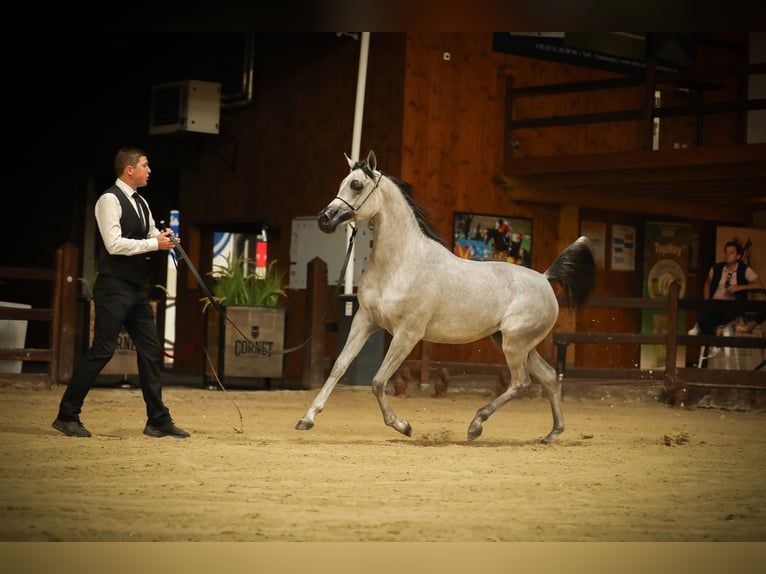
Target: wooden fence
point(677, 380)
point(61, 315)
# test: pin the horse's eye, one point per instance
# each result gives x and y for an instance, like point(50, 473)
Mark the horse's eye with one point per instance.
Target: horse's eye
point(357, 185)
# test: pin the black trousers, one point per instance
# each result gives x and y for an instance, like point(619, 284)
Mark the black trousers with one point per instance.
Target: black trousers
point(709, 319)
point(119, 303)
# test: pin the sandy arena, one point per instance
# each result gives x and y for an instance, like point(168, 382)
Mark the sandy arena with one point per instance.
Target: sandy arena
point(622, 471)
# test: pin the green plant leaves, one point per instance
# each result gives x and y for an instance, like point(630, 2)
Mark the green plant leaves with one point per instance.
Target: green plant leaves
point(236, 283)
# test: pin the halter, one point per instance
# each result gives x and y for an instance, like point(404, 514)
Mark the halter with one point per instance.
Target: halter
point(369, 173)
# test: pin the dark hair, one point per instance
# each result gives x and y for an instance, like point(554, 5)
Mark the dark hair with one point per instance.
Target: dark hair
point(736, 244)
point(127, 156)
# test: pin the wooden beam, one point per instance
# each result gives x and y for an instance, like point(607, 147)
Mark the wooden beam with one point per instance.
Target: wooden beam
point(660, 160)
point(523, 191)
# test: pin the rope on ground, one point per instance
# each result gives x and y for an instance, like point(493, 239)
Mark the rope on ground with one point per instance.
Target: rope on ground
point(186, 351)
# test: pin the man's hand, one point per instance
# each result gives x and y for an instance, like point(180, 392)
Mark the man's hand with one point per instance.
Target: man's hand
point(164, 243)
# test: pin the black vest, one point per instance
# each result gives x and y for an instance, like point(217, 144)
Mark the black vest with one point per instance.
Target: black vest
point(130, 268)
point(718, 275)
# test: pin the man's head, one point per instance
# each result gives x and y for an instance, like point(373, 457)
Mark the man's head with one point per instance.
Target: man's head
point(732, 251)
point(132, 166)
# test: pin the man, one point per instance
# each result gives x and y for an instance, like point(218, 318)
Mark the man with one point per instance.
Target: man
point(126, 234)
point(730, 280)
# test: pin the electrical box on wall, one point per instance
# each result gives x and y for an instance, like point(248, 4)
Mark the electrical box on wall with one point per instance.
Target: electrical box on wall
point(186, 106)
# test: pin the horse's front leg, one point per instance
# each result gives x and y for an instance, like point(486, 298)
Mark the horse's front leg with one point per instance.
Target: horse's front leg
point(359, 332)
point(398, 350)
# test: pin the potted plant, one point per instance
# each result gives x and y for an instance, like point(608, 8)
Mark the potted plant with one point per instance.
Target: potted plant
point(248, 324)
point(238, 283)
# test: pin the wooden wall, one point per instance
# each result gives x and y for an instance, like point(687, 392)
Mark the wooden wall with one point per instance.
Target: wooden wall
point(434, 115)
point(282, 157)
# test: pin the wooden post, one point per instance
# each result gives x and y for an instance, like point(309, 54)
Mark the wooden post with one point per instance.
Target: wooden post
point(671, 349)
point(67, 301)
point(55, 325)
point(425, 362)
point(316, 299)
point(568, 231)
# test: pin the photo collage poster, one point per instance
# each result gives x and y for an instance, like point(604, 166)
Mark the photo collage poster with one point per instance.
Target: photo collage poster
point(484, 237)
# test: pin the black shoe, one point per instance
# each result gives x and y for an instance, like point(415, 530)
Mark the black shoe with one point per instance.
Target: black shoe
point(168, 429)
point(70, 428)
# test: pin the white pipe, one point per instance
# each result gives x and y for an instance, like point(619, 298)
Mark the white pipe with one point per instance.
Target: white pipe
point(356, 140)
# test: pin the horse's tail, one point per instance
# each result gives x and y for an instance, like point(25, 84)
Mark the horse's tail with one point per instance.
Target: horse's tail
point(575, 270)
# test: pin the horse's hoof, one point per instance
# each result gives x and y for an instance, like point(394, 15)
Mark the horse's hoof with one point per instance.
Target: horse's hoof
point(550, 438)
point(474, 432)
point(304, 424)
point(403, 427)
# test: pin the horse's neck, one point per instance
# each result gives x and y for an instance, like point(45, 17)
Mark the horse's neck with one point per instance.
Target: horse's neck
point(395, 226)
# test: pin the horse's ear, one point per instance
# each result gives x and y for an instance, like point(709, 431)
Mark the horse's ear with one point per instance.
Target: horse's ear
point(371, 161)
point(350, 161)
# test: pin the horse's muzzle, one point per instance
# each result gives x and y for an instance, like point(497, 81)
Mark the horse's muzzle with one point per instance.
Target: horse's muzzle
point(331, 217)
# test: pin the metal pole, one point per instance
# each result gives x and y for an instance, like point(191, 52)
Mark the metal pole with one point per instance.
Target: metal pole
point(356, 138)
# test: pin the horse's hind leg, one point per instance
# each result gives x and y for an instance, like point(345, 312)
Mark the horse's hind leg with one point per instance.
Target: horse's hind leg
point(546, 375)
point(519, 380)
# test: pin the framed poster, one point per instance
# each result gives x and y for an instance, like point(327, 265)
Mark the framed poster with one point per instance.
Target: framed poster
point(623, 247)
point(485, 237)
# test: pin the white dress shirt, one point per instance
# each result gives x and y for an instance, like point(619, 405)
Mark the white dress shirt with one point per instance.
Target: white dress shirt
point(108, 213)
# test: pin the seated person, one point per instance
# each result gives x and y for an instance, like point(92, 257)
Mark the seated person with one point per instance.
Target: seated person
point(727, 280)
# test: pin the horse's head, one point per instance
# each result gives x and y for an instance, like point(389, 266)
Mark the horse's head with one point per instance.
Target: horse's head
point(351, 201)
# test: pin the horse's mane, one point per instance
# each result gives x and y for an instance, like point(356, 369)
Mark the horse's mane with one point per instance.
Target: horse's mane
point(420, 214)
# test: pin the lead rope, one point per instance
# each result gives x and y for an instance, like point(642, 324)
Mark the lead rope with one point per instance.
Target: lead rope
point(210, 297)
point(220, 309)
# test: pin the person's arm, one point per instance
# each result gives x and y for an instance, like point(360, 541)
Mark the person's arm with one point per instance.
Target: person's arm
point(754, 282)
point(108, 213)
point(153, 229)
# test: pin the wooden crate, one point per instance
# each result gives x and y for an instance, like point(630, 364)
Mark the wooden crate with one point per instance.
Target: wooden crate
point(240, 342)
